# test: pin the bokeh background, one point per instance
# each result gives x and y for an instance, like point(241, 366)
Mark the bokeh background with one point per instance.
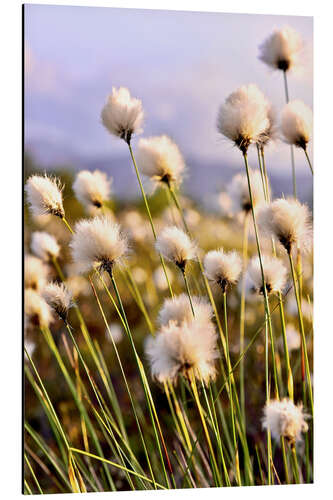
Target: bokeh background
point(181, 64)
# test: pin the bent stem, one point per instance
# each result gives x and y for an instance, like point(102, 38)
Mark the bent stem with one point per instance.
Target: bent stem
point(144, 197)
point(188, 290)
point(301, 327)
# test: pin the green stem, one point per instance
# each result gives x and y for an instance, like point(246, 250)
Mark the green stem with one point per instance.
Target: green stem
point(188, 291)
point(242, 316)
point(301, 327)
point(291, 147)
point(144, 197)
point(309, 161)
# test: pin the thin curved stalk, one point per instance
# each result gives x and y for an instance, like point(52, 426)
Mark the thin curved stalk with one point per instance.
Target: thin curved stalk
point(286, 90)
point(242, 315)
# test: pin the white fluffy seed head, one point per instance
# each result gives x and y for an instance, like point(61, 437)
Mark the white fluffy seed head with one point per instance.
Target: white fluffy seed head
point(296, 123)
point(271, 132)
point(44, 195)
point(288, 221)
point(92, 188)
point(122, 114)
point(282, 49)
point(97, 243)
point(36, 273)
point(243, 117)
point(284, 418)
point(178, 310)
point(180, 349)
point(159, 159)
point(37, 311)
point(44, 245)
point(58, 297)
point(175, 245)
point(223, 268)
point(275, 274)
point(238, 191)
point(293, 337)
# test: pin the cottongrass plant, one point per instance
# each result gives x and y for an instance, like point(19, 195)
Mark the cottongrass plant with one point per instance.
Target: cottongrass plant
point(148, 438)
point(296, 126)
point(92, 189)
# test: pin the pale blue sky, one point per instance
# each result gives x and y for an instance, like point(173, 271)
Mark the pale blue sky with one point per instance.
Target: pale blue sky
point(181, 64)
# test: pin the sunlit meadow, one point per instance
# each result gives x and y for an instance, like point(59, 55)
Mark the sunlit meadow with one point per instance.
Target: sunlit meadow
point(168, 340)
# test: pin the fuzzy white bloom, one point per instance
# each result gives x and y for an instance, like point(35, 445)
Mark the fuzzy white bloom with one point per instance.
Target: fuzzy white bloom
point(225, 204)
point(284, 418)
point(159, 159)
point(223, 268)
point(249, 288)
point(92, 188)
point(59, 298)
point(282, 49)
point(271, 131)
point(175, 245)
point(178, 310)
point(140, 275)
point(238, 191)
point(36, 273)
point(122, 114)
point(37, 311)
point(44, 245)
point(243, 117)
point(97, 242)
point(44, 195)
point(180, 348)
point(275, 273)
point(136, 226)
point(296, 123)
point(288, 221)
point(30, 347)
point(117, 332)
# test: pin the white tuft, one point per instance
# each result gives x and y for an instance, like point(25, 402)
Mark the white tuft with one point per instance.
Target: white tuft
point(238, 191)
point(284, 418)
point(282, 49)
point(117, 332)
point(97, 242)
point(296, 123)
point(44, 245)
point(223, 268)
point(36, 310)
point(178, 310)
point(36, 273)
point(44, 195)
point(293, 338)
point(92, 188)
point(160, 159)
point(243, 118)
point(58, 297)
point(275, 274)
point(288, 221)
point(181, 348)
point(122, 114)
point(175, 245)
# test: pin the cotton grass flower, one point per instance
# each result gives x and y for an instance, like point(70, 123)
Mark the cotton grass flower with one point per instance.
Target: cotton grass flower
point(238, 191)
point(122, 114)
point(178, 310)
point(271, 132)
point(285, 419)
point(282, 49)
point(36, 273)
point(92, 188)
point(59, 298)
point(243, 117)
point(44, 245)
point(222, 268)
point(97, 243)
point(117, 332)
point(176, 246)
point(37, 311)
point(296, 124)
point(288, 221)
point(44, 195)
point(190, 347)
point(275, 274)
point(160, 160)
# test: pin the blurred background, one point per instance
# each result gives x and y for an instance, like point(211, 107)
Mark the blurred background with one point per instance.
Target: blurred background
point(181, 64)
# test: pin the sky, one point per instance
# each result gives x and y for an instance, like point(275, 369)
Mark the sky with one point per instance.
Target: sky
point(182, 65)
